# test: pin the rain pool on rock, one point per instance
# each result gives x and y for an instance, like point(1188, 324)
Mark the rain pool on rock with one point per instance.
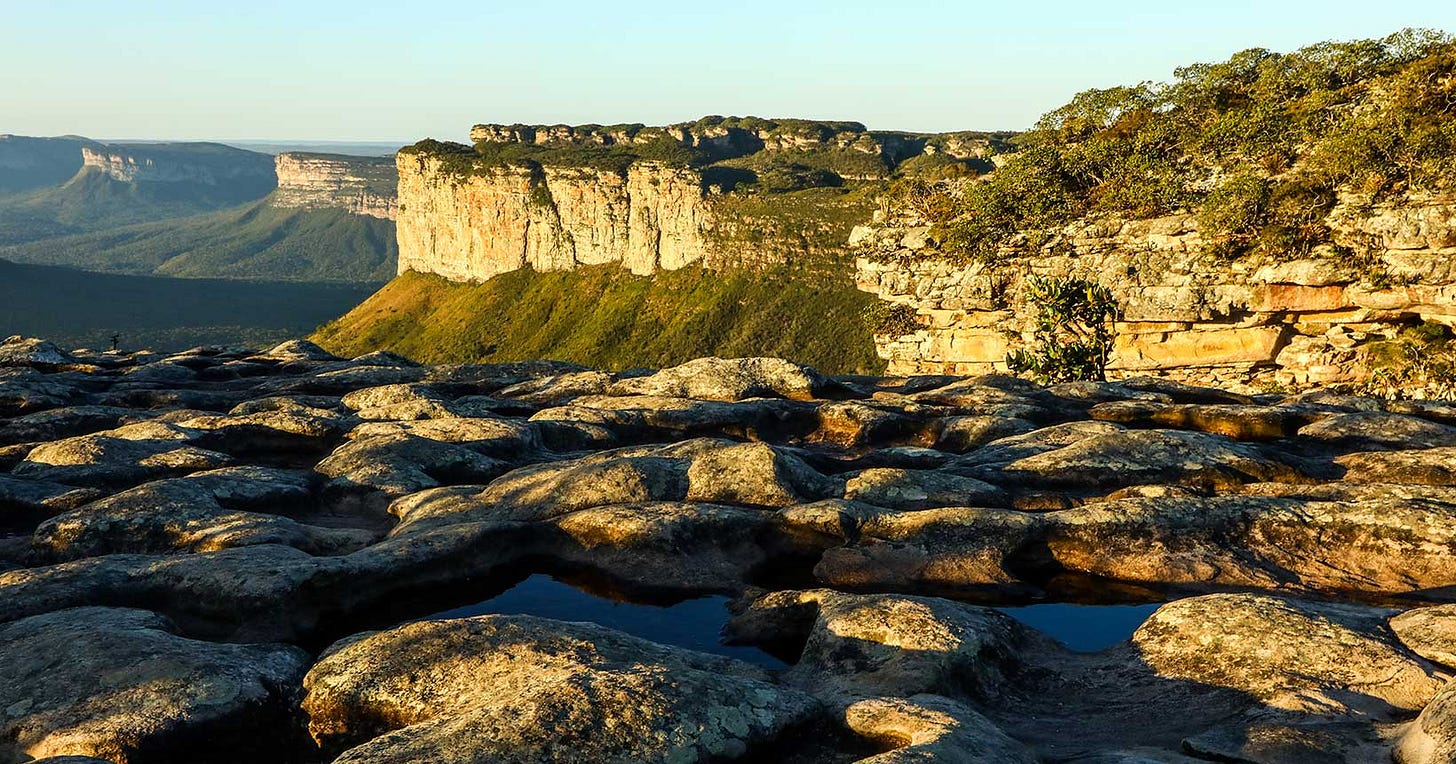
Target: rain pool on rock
point(697, 623)
point(692, 623)
point(1083, 628)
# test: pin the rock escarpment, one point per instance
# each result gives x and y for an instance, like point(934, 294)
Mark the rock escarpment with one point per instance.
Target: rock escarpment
point(361, 185)
point(210, 164)
point(649, 198)
point(264, 555)
point(1250, 324)
point(648, 217)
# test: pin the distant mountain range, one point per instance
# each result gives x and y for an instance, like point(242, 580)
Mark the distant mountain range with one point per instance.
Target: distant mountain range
point(199, 210)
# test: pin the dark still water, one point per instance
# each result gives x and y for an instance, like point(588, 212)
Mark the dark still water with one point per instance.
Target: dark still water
point(1083, 628)
point(697, 623)
point(694, 624)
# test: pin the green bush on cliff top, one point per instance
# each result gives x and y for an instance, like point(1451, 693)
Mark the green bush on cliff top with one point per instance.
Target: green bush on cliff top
point(1264, 138)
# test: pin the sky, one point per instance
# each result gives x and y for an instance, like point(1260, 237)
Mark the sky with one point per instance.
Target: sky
point(391, 71)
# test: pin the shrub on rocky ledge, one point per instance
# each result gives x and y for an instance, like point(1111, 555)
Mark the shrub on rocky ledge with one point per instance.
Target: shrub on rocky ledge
point(1073, 335)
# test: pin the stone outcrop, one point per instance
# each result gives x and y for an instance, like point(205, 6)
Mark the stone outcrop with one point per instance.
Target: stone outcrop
point(183, 537)
point(522, 689)
point(1247, 324)
point(207, 164)
point(471, 227)
point(555, 197)
point(361, 185)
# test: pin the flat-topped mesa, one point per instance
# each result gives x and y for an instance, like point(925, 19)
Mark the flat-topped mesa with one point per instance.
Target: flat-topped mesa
point(205, 163)
point(360, 185)
point(650, 198)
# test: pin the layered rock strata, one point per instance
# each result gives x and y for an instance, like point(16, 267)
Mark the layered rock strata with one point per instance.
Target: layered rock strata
point(1249, 324)
point(229, 554)
point(360, 185)
point(201, 163)
point(649, 217)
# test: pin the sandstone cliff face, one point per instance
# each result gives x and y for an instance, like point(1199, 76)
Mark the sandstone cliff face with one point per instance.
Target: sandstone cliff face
point(207, 164)
point(1243, 324)
point(361, 185)
point(476, 226)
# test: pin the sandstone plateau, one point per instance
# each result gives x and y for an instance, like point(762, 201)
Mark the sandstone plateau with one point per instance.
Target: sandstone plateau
point(238, 555)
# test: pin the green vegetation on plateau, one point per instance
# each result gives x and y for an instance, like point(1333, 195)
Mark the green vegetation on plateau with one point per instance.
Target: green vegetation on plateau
point(605, 317)
point(1258, 146)
point(255, 241)
point(745, 153)
point(76, 308)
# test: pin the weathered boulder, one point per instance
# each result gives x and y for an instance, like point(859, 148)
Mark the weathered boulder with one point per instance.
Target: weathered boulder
point(960, 434)
point(729, 379)
point(1430, 632)
point(1240, 422)
point(404, 402)
point(124, 456)
point(1141, 457)
point(202, 513)
point(508, 439)
point(67, 422)
point(1424, 466)
point(1314, 658)
point(702, 470)
point(299, 350)
point(524, 689)
point(888, 644)
point(376, 469)
point(682, 546)
point(1371, 430)
point(273, 593)
point(559, 388)
point(931, 728)
point(23, 500)
point(342, 380)
point(1003, 451)
point(25, 390)
point(994, 396)
point(28, 351)
point(921, 489)
point(1381, 545)
point(122, 686)
point(1431, 738)
point(656, 418)
point(282, 430)
point(858, 424)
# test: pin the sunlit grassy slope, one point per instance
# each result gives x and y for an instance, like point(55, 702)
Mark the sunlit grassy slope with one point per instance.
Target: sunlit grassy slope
point(605, 317)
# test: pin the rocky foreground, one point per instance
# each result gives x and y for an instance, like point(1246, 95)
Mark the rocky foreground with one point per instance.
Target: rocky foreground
point(224, 555)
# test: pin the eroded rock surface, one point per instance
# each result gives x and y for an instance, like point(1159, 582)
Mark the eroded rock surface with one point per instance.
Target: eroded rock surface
point(123, 686)
point(204, 506)
point(523, 689)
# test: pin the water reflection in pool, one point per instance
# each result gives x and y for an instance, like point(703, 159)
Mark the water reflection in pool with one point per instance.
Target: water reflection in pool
point(697, 623)
point(694, 624)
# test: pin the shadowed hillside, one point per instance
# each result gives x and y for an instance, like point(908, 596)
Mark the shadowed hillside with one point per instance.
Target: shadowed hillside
point(85, 309)
point(257, 241)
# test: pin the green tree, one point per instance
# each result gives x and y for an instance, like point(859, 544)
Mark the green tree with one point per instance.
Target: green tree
point(1074, 331)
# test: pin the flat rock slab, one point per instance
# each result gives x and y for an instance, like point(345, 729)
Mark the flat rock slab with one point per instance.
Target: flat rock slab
point(524, 689)
point(121, 685)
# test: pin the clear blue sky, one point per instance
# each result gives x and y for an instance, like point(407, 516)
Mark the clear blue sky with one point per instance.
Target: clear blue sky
point(367, 70)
